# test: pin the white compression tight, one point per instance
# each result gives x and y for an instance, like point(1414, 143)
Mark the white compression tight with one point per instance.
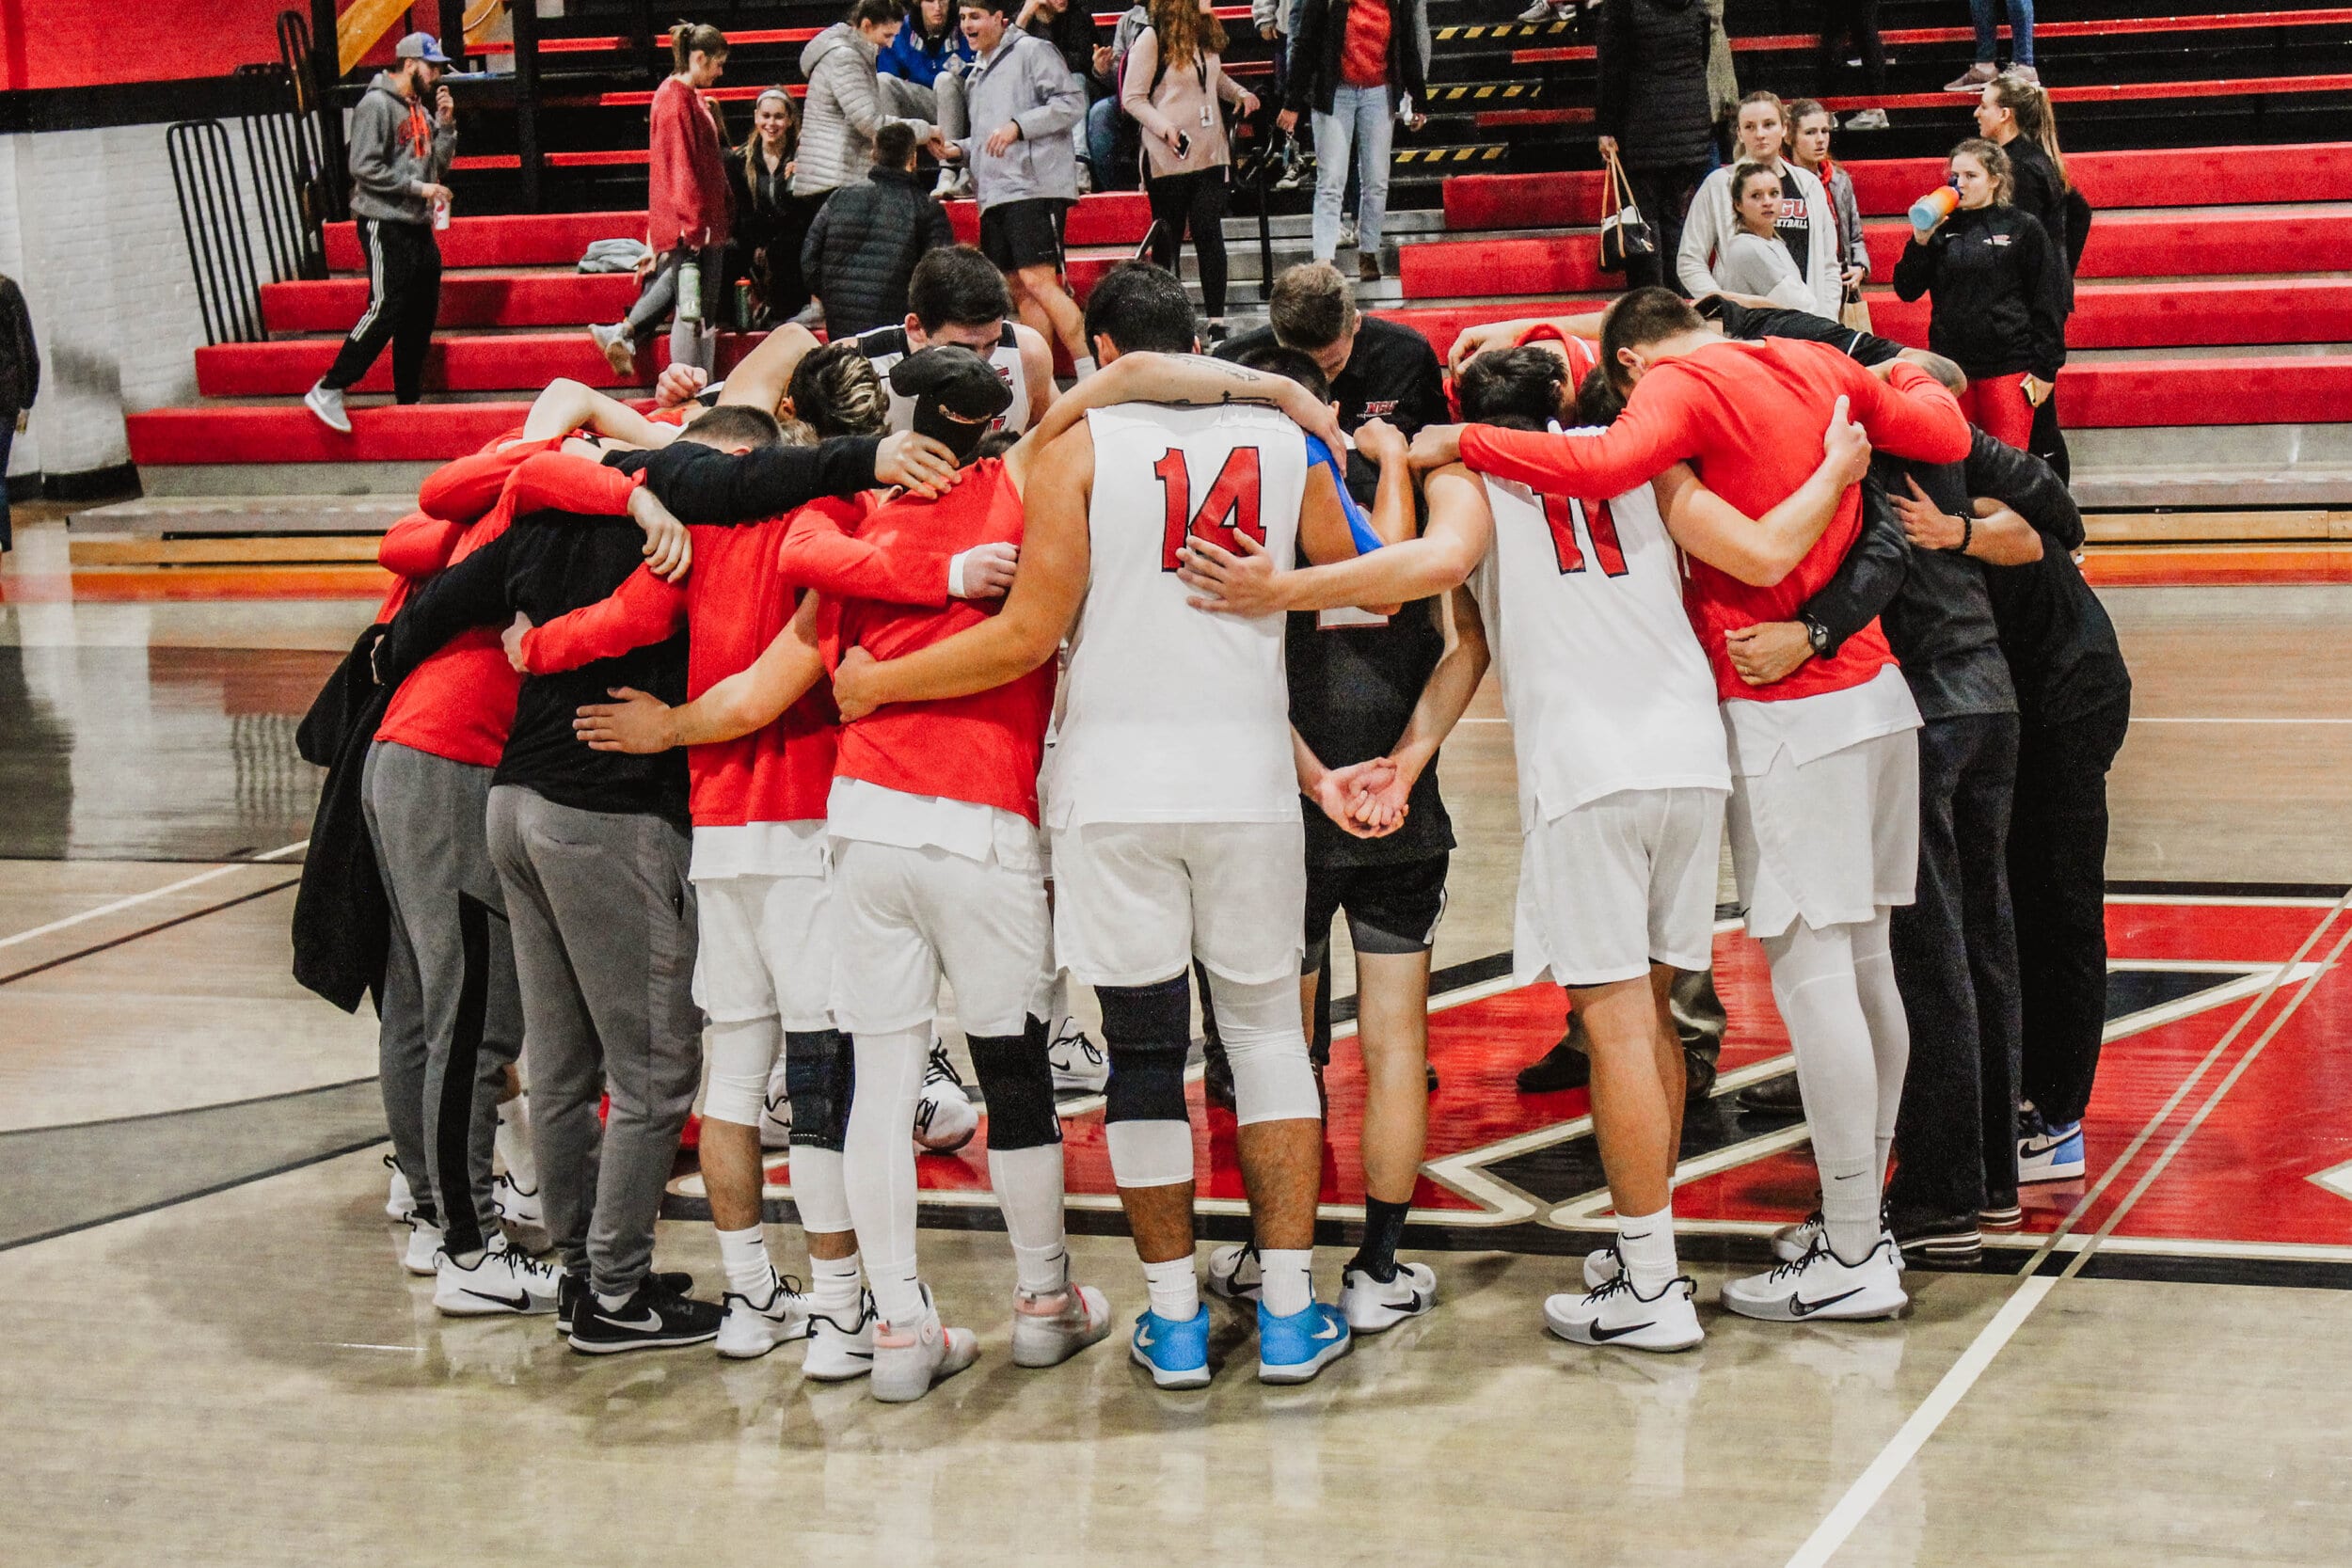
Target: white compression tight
point(746, 1056)
point(1272, 1079)
point(1835, 987)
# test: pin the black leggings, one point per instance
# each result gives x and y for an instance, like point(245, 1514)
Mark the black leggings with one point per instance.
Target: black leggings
point(1859, 20)
point(1194, 201)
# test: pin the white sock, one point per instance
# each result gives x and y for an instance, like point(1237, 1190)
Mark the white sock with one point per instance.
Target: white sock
point(1175, 1288)
point(514, 1143)
point(1083, 365)
point(744, 1255)
point(833, 1288)
point(610, 1303)
point(1290, 1282)
point(1028, 1183)
point(1646, 1244)
point(897, 1293)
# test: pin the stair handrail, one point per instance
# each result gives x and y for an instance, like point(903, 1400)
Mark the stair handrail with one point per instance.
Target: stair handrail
point(361, 27)
point(213, 221)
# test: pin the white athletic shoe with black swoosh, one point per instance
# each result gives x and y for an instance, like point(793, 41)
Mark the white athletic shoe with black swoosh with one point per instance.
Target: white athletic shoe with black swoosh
point(503, 1282)
point(1822, 1286)
point(1371, 1305)
point(1615, 1313)
point(1234, 1271)
point(1792, 1241)
point(752, 1328)
point(944, 1117)
point(841, 1352)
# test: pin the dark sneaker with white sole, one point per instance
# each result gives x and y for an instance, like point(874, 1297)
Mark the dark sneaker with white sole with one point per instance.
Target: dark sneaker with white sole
point(651, 1319)
point(571, 1289)
point(1938, 1241)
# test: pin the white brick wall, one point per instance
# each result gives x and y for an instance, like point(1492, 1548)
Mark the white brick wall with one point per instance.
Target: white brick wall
point(90, 229)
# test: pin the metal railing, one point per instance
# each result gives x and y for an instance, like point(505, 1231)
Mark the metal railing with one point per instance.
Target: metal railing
point(285, 182)
point(212, 216)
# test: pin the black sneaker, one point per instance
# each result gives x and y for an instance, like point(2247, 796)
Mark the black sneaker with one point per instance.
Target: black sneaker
point(1773, 1096)
point(572, 1287)
point(1563, 1067)
point(1938, 1241)
point(1699, 1075)
point(650, 1319)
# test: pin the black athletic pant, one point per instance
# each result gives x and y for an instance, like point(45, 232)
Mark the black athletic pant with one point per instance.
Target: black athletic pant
point(2048, 442)
point(1955, 953)
point(1663, 195)
point(2058, 853)
point(1859, 21)
point(404, 297)
point(1194, 201)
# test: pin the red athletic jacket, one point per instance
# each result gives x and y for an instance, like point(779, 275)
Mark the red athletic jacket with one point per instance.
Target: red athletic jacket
point(689, 189)
point(1749, 416)
point(984, 748)
point(460, 702)
point(736, 599)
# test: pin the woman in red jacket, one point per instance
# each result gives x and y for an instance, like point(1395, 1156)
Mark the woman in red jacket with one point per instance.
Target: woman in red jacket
point(688, 210)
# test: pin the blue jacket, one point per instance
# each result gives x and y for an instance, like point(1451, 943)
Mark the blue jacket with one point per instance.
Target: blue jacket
point(912, 59)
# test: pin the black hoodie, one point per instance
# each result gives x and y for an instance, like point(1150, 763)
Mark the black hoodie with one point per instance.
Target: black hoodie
point(1996, 289)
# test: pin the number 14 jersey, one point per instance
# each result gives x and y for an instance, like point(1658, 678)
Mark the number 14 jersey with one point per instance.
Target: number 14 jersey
point(1175, 715)
point(1603, 681)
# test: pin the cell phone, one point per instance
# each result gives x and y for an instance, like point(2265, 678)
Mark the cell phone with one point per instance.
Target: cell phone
point(1184, 145)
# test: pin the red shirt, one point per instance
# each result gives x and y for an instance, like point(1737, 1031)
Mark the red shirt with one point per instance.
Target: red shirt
point(687, 186)
point(984, 748)
point(738, 597)
point(459, 704)
point(1749, 416)
point(1364, 46)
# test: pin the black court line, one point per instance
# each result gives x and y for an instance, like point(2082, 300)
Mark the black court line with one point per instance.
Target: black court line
point(148, 931)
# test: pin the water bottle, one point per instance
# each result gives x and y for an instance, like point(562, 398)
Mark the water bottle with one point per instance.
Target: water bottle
point(690, 293)
point(1934, 208)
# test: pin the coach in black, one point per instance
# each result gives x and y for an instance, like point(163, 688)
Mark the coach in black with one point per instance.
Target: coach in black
point(1377, 369)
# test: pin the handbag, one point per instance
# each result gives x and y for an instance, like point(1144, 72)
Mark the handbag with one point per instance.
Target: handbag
point(1624, 235)
point(1855, 314)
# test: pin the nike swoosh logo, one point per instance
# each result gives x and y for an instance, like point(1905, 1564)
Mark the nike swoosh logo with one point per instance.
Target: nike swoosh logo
point(652, 1319)
point(1850, 1176)
point(519, 1301)
point(1605, 1335)
point(1329, 1331)
point(1803, 1308)
point(1144, 1339)
point(2048, 1145)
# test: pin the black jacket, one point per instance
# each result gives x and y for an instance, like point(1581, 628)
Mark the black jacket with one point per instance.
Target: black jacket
point(1996, 291)
point(1653, 82)
point(863, 247)
point(342, 916)
point(2056, 634)
point(20, 357)
point(547, 564)
point(2039, 191)
point(1392, 373)
point(1315, 43)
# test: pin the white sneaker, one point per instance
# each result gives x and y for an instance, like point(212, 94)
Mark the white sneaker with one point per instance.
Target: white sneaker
point(1049, 1330)
point(516, 1207)
point(1867, 120)
point(1615, 1313)
point(424, 1245)
point(505, 1282)
point(1078, 1063)
point(1347, 233)
point(836, 1354)
point(1234, 1272)
point(944, 1119)
point(399, 1202)
point(619, 350)
point(1370, 1305)
point(327, 405)
point(909, 1362)
point(1791, 1242)
point(775, 1120)
point(754, 1328)
point(1821, 1286)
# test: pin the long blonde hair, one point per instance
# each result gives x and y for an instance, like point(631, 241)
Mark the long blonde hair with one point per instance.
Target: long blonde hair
point(792, 134)
point(2030, 104)
point(1178, 25)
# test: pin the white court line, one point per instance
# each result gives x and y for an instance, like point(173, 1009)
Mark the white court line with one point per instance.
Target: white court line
point(2152, 719)
point(138, 899)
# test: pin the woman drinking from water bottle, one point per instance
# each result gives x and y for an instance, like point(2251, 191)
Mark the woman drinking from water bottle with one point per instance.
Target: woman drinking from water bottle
point(687, 225)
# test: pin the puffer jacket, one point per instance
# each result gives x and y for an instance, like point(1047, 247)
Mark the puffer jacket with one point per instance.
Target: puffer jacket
point(1653, 82)
point(842, 112)
point(863, 247)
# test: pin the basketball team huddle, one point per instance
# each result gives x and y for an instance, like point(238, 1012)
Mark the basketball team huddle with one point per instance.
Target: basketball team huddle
point(713, 740)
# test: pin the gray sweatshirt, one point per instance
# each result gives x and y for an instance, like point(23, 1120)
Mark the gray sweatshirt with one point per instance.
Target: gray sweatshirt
point(1024, 83)
point(841, 114)
point(396, 151)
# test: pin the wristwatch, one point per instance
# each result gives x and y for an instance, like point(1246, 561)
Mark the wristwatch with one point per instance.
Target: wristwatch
point(1815, 634)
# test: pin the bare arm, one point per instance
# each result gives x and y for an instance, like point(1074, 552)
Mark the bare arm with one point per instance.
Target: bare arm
point(2002, 538)
point(1180, 378)
point(759, 381)
point(745, 701)
point(1761, 552)
point(1036, 614)
point(1461, 525)
point(1475, 341)
point(567, 404)
point(1036, 370)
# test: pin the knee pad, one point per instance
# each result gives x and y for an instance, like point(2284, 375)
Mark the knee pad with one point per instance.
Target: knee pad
point(1272, 1078)
point(820, 1074)
point(1148, 1031)
point(741, 1054)
point(1017, 1082)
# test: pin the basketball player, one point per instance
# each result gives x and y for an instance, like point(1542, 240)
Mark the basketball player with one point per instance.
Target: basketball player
point(1174, 808)
point(1824, 811)
point(1621, 766)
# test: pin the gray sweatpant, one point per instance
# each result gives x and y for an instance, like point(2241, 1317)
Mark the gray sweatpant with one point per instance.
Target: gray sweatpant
point(604, 946)
point(452, 1020)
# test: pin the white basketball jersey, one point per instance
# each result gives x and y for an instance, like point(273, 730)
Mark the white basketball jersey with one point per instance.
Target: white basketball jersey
point(1602, 677)
point(1173, 714)
point(885, 346)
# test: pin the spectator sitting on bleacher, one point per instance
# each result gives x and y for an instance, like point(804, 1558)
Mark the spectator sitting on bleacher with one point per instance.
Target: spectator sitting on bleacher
point(1114, 140)
point(862, 246)
point(849, 100)
point(1809, 147)
point(1654, 113)
point(770, 221)
point(1805, 227)
point(1752, 261)
point(1377, 368)
point(927, 43)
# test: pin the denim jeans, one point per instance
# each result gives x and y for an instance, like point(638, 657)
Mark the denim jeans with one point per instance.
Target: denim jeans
point(1360, 119)
point(1988, 19)
point(1101, 119)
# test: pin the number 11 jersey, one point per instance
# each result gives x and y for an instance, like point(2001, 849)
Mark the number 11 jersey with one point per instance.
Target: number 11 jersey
point(1173, 714)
